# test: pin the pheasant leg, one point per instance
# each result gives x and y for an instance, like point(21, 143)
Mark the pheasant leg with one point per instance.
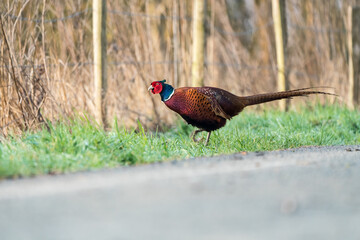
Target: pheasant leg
point(193, 135)
point(207, 138)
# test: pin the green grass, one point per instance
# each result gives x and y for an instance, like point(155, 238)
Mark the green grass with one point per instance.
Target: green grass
point(82, 146)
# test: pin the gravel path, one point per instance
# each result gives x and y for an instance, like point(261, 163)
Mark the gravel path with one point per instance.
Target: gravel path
point(305, 193)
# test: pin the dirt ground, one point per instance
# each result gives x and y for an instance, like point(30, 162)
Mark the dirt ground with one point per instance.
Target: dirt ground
point(305, 193)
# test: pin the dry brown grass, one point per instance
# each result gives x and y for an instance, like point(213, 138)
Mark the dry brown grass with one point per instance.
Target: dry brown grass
point(22, 89)
point(142, 48)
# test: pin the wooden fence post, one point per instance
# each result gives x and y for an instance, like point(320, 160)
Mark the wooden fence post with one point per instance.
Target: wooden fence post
point(99, 42)
point(175, 27)
point(197, 70)
point(353, 40)
point(279, 18)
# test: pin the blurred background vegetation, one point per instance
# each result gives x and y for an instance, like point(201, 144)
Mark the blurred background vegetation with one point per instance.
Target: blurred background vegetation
point(46, 58)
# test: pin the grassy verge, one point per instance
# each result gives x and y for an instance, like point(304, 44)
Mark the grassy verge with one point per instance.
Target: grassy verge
point(81, 146)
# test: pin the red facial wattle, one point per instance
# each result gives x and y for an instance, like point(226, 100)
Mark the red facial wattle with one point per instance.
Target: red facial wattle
point(157, 87)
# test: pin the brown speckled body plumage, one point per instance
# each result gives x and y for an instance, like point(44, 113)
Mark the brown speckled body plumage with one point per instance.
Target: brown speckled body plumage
point(209, 108)
point(206, 108)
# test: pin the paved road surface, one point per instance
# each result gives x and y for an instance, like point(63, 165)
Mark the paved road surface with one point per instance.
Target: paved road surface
point(307, 193)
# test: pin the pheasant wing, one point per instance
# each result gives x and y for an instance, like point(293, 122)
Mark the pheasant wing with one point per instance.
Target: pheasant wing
point(213, 98)
point(217, 108)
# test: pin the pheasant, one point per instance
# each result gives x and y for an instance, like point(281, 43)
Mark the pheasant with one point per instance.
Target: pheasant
point(208, 108)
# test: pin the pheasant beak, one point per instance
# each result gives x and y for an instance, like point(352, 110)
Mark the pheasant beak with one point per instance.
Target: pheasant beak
point(150, 88)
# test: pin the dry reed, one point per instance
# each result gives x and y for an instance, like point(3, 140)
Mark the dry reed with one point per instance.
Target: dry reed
point(151, 40)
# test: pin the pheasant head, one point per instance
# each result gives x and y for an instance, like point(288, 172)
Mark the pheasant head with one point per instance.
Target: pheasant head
point(160, 87)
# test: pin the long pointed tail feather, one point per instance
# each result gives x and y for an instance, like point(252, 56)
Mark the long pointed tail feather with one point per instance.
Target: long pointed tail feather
point(268, 97)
